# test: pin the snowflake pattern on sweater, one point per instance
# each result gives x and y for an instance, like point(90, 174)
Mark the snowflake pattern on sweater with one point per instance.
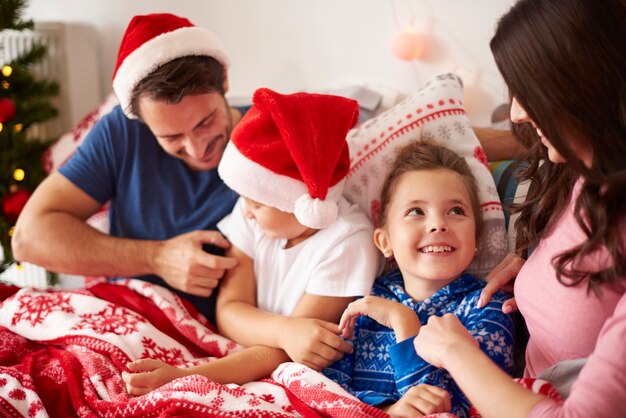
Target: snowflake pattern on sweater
point(380, 370)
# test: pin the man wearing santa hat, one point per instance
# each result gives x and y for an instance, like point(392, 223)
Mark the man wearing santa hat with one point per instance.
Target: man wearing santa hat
point(154, 158)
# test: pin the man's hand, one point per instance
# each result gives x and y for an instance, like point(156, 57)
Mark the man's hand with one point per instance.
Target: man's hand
point(420, 400)
point(390, 314)
point(313, 342)
point(149, 374)
point(184, 265)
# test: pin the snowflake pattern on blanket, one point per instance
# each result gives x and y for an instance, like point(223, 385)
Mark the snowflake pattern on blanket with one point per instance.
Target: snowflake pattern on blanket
point(62, 354)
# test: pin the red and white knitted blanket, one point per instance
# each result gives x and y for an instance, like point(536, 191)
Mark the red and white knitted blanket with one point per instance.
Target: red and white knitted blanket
point(62, 354)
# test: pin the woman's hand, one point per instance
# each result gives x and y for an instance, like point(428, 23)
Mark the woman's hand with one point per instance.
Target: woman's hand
point(390, 314)
point(313, 342)
point(440, 336)
point(498, 278)
point(421, 400)
point(149, 374)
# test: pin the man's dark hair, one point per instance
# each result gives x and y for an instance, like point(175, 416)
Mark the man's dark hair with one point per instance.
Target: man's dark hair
point(185, 76)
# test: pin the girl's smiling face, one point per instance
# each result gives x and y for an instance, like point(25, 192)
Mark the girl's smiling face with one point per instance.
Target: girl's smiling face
point(430, 229)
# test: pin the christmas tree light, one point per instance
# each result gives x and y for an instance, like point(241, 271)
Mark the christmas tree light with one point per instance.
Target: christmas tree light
point(7, 70)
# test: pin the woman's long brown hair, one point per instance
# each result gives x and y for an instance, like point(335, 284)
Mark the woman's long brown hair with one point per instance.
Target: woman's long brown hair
point(564, 61)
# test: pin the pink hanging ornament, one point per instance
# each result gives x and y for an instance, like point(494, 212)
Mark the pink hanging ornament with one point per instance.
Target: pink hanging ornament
point(408, 45)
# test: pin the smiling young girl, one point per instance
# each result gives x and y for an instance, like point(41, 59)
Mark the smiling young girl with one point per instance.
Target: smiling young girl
point(427, 229)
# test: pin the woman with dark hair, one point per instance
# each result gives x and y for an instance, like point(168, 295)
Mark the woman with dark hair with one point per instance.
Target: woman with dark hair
point(564, 62)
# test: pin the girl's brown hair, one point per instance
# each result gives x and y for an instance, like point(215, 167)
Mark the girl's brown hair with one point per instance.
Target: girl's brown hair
point(425, 155)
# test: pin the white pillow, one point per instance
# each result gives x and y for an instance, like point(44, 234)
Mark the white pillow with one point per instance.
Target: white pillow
point(435, 112)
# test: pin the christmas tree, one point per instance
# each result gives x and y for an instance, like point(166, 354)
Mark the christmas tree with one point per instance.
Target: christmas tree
point(24, 101)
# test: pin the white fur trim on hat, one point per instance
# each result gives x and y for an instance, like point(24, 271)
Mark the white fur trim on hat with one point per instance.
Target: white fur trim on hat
point(315, 213)
point(159, 50)
point(256, 182)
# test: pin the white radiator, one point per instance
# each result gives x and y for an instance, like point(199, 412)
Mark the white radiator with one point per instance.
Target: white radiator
point(26, 275)
point(52, 67)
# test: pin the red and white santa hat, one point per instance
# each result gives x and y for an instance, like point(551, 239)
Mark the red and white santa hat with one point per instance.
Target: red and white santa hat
point(153, 40)
point(290, 152)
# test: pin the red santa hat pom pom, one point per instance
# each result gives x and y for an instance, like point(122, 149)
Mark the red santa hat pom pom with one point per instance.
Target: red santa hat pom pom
point(156, 39)
point(290, 152)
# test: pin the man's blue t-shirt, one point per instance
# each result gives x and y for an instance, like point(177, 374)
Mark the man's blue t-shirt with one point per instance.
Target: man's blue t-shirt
point(153, 195)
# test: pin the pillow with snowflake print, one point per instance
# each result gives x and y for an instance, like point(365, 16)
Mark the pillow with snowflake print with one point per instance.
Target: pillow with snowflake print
point(434, 113)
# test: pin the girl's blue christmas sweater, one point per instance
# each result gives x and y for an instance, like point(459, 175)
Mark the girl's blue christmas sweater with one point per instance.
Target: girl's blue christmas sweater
point(380, 370)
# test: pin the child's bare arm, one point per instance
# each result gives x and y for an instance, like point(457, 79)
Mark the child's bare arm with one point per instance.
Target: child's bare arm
point(310, 336)
point(328, 308)
point(238, 317)
point(251, 364)
point(150, 374)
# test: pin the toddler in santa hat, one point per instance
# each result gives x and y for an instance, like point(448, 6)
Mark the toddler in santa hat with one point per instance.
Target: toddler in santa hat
point(304, 251)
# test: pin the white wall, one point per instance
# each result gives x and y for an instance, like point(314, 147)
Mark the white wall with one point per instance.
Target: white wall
point(294, 45)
